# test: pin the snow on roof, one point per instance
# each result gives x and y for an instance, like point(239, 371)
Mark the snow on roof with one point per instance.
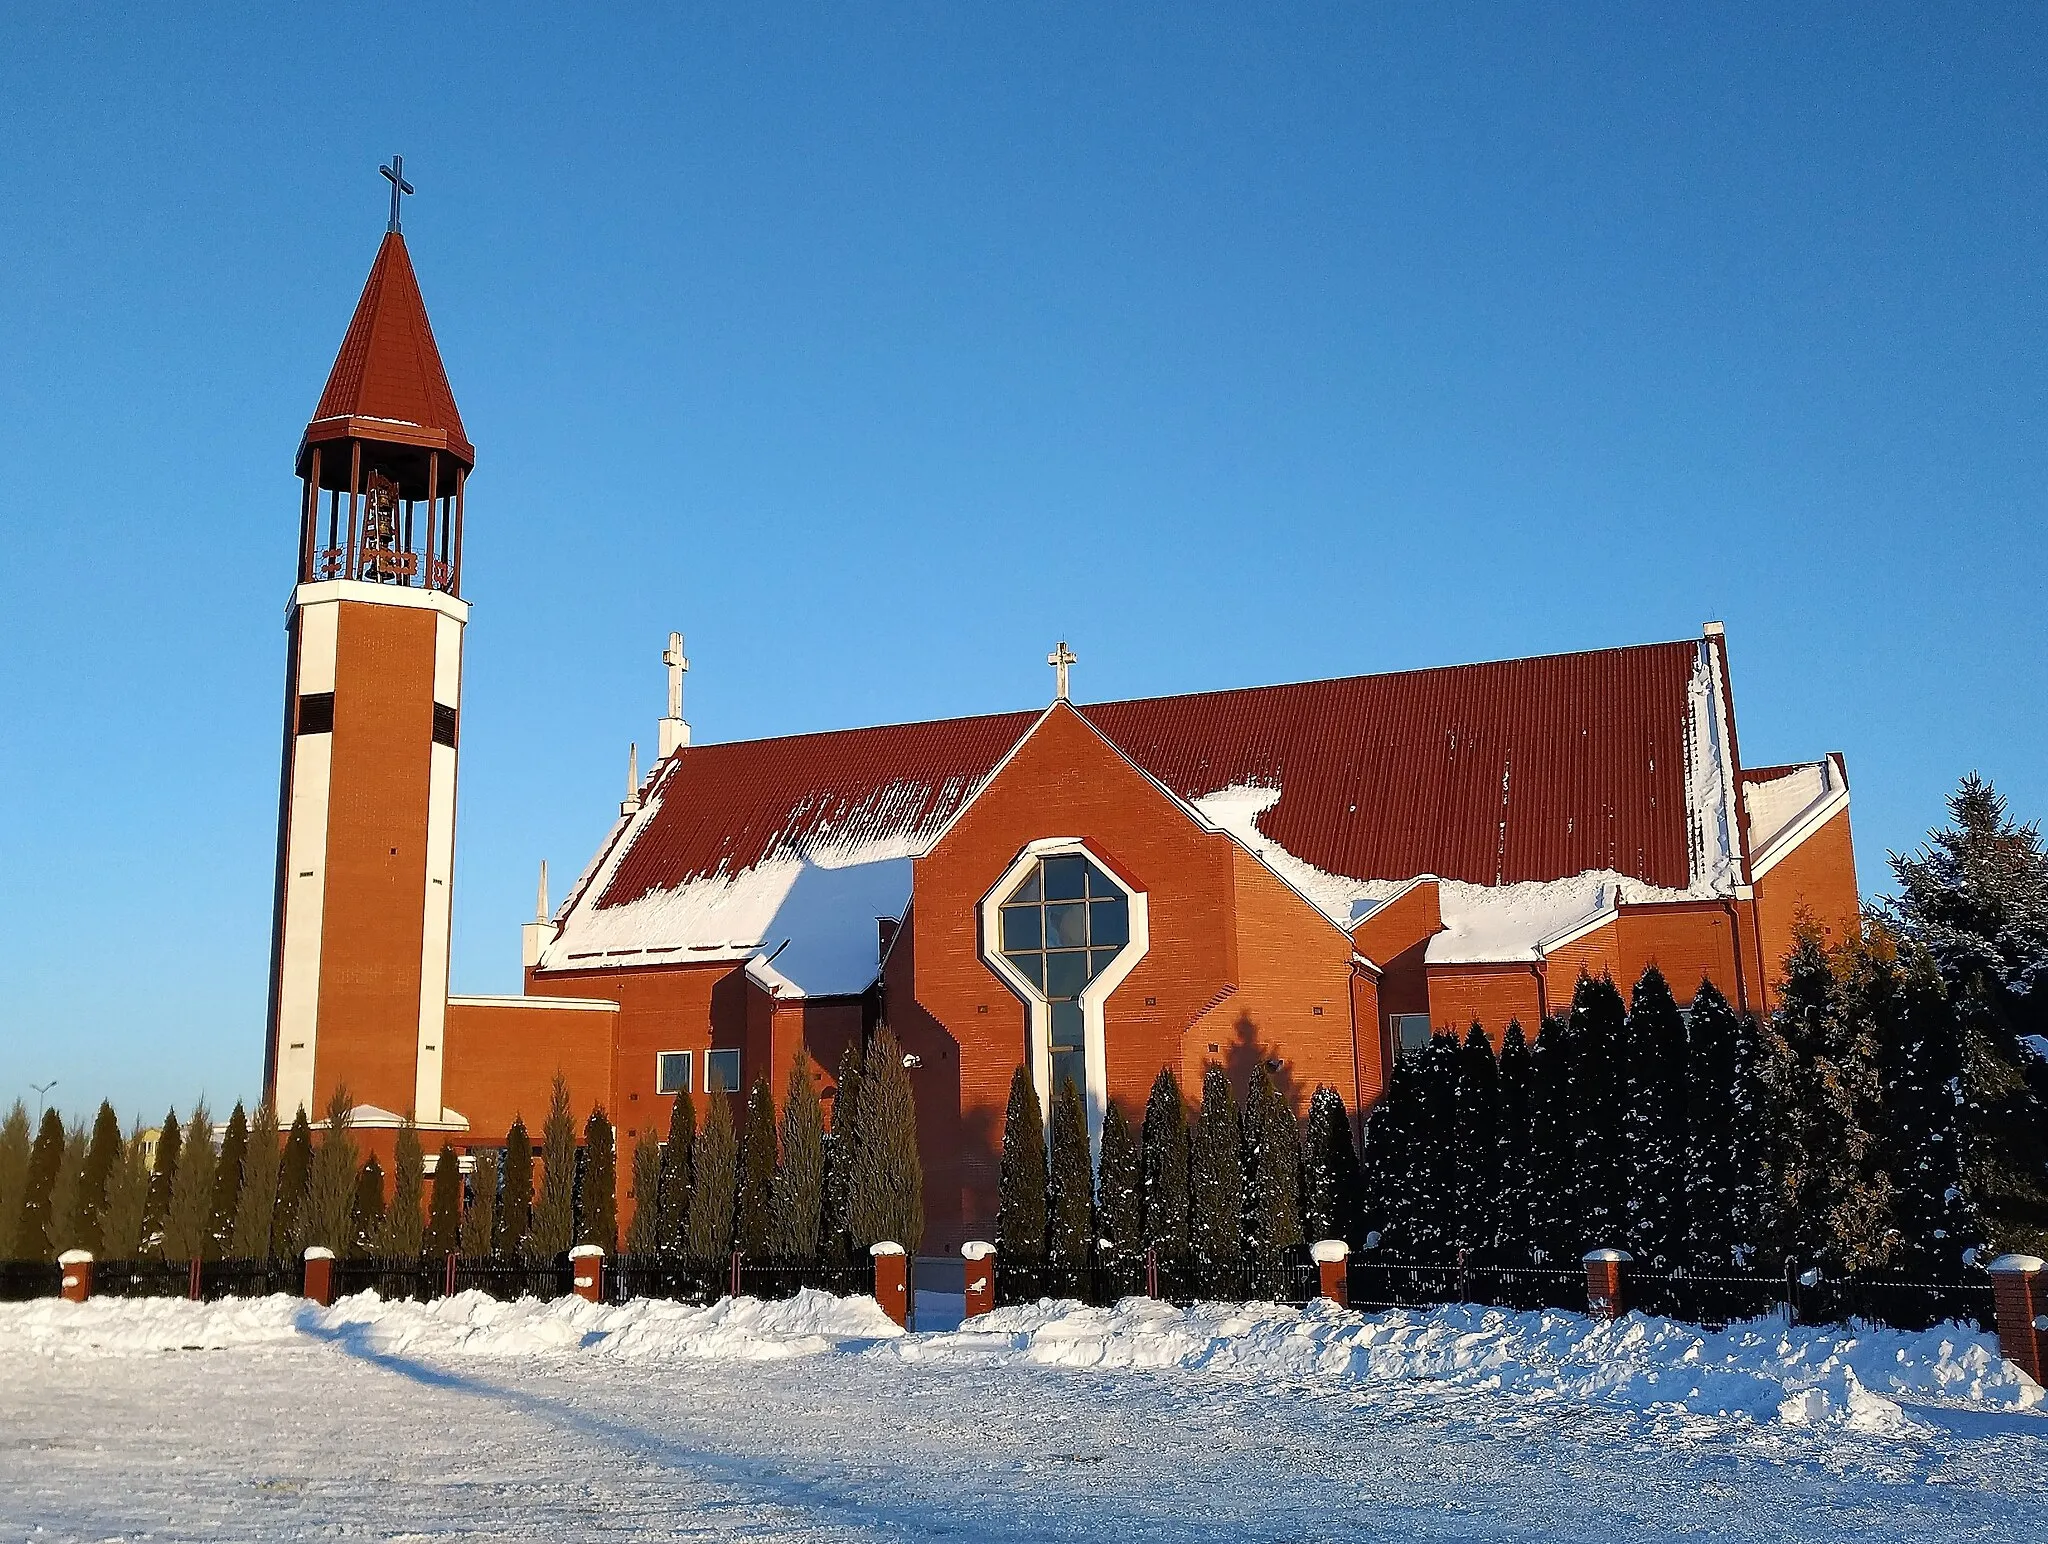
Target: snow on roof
point(1778, 796)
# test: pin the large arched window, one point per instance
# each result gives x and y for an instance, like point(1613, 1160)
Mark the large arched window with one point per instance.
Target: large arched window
point(1063, 931)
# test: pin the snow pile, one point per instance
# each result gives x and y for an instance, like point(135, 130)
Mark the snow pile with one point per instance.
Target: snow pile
point(133, 1326)
point(1754, 1371)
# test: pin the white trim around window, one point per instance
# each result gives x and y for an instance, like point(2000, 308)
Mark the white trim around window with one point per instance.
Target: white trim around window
point(665, 1064)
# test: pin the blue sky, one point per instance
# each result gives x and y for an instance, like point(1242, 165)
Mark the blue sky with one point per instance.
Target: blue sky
point(878, 347)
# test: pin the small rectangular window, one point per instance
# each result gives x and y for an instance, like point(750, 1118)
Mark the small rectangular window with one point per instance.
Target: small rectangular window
point(672, 1072)
point(444, 725)
point(721, 1072)
point(1411, 1033)
point(316, 713)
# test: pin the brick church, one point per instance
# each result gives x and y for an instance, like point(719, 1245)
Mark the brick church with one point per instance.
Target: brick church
point(1313, 875)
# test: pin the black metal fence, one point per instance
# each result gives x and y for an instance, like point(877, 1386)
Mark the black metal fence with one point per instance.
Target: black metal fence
point(23, 1281)
point(1261, 1276)
point(509, 1280)
point(144, 1278)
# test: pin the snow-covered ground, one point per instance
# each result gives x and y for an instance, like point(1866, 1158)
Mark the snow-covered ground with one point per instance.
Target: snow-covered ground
point(816, 1419)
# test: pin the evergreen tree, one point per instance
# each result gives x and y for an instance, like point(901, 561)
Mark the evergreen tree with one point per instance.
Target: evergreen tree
point(1070, 1189)
point(842, 1142)
point(754, 1212)
point(127, 1195)
point(1925, 1130)
point(1393, 1130)
point(163, 1175)
point(64, 1197)
point(512, 1229)
point(1599, 1022)
point(478, 1237)
point(101, 1159)
point(366, 1211)
point(191, 1213)
point(888, 1175)
point(1216, 1174)
point(643, 1233)
point(1331, 1179)
point(1515, 1236)
point(715, 1166)
point(1556, 1223)
point(1476, 1150)
point(1432, 1183)
point(1021, 1184)
point(256, 1205)
point(293, 1217)
point(554, 1214)
point(17, 1136)
point(800, 1181)
point(1714, 1189)
point(1653, 1123)
point(1272, 1166)
point(599, 1220)
point(332, 1180)
point(444, 1206)
point(32, 1239)
point(1165, 1153)
point(1749, 1146)
point(1119, 1192)
point(673, 1225)
point(227, 1183)
point(403, 1236)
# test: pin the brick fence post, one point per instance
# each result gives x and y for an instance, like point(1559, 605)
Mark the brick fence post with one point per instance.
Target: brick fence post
point(1604, 1297)
point(980, 1277)
point(1333, 1270)
point(1152, 1270)
point(2020, 1303)
point(586, 1271)
point(77, 1275)
point(319, 1286)
point(892, 1280)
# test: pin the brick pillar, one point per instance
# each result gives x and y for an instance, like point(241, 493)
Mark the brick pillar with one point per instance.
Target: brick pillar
point(892, 1280)
point(77, 1275)
point(2020, 1303)
point(1333, 1270)
point(981, 1277)
point(586, 1270)
point(1604, 1298)
point(320, 1275)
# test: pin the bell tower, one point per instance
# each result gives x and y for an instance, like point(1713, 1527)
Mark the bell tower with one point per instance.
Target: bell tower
point(372, 713)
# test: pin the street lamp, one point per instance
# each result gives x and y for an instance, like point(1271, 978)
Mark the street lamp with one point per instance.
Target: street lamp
point(42, 1092)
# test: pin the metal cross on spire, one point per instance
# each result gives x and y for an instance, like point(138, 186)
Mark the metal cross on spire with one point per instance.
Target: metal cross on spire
point(399, 186)
point(1060, 659)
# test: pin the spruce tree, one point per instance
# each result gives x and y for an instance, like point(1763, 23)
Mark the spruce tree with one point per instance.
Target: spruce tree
point(1022, 1181)
point(479, 1234)
point(127, 1195)
point(191, 1213)
point(598, 1221)
point(256, 1205)
point(673, 1225)
point(512, 1230)
point(403, 1235)
point(1713, 1177)
point(643, 1233)
point(332, 1180)
point(227, 1183)
point(1556, 1222)
point(888, 1174)
point(366, 1211)
point(715, 1166)
point(32, 1239)
point(293, 1217)
point(1070, 1189)
point(1216, 1174)
point(17, 1136)
point(1475, 1141)
point(101, 1159)
point(754, 1212)
point(1165, 1153)
point(1119, 1192)
point(799, 1195)
point(842, 1142)
point(554, 1214)
point(1516, 1233)
point(1599, 1021)
point(1653, 1123)
point(163, 1175)
point(444, 1206)
point(1331, 1178)
point(1925, 1128)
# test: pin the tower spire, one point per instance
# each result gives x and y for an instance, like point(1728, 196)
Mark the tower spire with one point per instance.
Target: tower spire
point(631, 803)
point(675, 733)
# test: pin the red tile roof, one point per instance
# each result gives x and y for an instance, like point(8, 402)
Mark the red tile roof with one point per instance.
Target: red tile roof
point(389, 366)
point(1516, 770)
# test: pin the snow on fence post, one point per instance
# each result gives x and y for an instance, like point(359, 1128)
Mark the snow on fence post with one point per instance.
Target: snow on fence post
point(892, 1280)
point(77, 1275)
point(586, 1271)
point(980, 1277)
point(1333, 1270)
point(319, 1283)
point(2020, 1305)
point(1604, 1298)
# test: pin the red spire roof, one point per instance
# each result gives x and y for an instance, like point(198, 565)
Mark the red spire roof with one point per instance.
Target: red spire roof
point(388, 376)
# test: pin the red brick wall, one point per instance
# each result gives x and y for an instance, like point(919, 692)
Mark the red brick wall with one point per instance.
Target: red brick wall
point(1818, 877)
point(501, 1061)
point(1686, 941)
point(1488, 995)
